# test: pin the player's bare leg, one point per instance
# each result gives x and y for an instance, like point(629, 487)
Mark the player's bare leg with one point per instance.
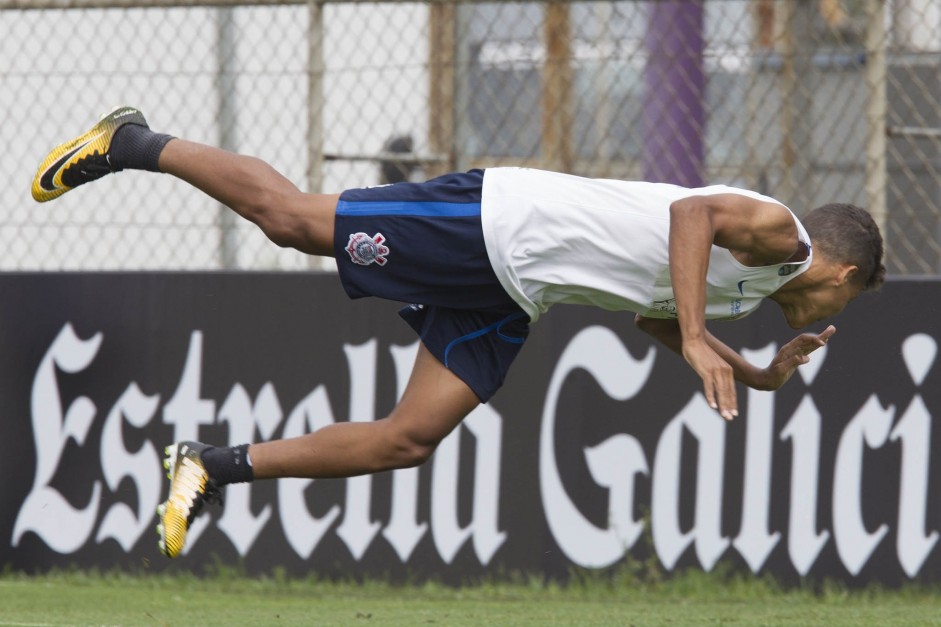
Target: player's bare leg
point(257, 192)
point(434, 402)
point(122, 140)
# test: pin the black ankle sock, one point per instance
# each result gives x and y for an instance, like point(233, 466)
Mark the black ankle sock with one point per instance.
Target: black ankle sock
point(136, 147)
point(228, 464)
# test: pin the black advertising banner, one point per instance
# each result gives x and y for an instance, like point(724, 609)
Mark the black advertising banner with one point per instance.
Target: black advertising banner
point(600, 447)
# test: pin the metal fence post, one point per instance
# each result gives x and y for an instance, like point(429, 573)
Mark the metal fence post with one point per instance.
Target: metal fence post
point(556, 141)
point(796, 115)
point(441, 76)
point(315, 103)
point(227, 123)
point(876, 112)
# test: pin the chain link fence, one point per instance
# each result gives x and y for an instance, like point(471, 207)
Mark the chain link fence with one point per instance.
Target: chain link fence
point(808, 101)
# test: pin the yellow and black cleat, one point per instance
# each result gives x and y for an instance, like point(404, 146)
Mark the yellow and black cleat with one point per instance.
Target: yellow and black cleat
point(190, 489)
point(84, 158)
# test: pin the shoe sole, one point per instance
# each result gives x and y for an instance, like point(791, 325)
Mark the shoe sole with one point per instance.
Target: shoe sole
point(175, 512)
point(48, 184)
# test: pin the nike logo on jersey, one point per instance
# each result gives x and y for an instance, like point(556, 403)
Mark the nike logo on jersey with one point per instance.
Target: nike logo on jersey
point(740, 283)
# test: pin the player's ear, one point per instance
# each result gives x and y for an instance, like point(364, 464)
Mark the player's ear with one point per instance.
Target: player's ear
point(846, 274)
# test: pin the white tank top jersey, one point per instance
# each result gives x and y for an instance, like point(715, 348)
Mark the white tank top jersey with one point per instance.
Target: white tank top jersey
point(557, 238)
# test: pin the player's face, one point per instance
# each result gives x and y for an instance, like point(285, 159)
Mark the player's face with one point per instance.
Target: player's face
point(820, 304)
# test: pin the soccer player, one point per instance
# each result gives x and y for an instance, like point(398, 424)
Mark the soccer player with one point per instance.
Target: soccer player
point(482, 255)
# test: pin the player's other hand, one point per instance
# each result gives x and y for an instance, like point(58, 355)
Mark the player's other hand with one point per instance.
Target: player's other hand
point(717, 377)
point(793, 354)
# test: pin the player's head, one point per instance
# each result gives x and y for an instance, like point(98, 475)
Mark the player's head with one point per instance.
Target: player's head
point(847, 234)
point(847, 249)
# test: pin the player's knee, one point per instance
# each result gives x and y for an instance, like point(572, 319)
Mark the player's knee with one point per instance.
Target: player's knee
point(295, 221)
point(276, 222)
point(263, 211)
point(280, 234)
point(407, 449)
point(408, 453)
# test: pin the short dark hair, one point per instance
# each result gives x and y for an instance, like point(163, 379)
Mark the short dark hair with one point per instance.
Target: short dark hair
point(846, 233)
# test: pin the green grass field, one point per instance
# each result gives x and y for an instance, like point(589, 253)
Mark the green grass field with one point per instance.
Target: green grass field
point(691, 599)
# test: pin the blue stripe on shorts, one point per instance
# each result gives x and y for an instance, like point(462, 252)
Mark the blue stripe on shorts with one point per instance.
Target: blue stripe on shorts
point(408, 208)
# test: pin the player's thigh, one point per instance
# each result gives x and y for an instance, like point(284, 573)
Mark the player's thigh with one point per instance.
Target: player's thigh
point(434, 402)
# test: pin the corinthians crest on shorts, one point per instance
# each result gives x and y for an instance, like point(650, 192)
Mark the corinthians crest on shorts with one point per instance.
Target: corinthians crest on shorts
point(365, 250)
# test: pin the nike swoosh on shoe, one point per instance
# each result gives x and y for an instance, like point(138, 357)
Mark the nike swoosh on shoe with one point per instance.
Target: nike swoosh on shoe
point(47, 180)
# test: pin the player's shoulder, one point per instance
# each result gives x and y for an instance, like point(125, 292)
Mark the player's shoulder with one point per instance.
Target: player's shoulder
point(713, 190)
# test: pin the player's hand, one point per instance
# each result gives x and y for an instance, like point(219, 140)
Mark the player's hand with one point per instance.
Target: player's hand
point(793, 354)
point(717, 377)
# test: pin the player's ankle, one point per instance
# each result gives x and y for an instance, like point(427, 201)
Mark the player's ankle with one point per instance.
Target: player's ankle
point(228, 464)
point(136, 147)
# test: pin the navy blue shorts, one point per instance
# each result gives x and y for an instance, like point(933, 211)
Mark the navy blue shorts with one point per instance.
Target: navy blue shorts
point(422, 243)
